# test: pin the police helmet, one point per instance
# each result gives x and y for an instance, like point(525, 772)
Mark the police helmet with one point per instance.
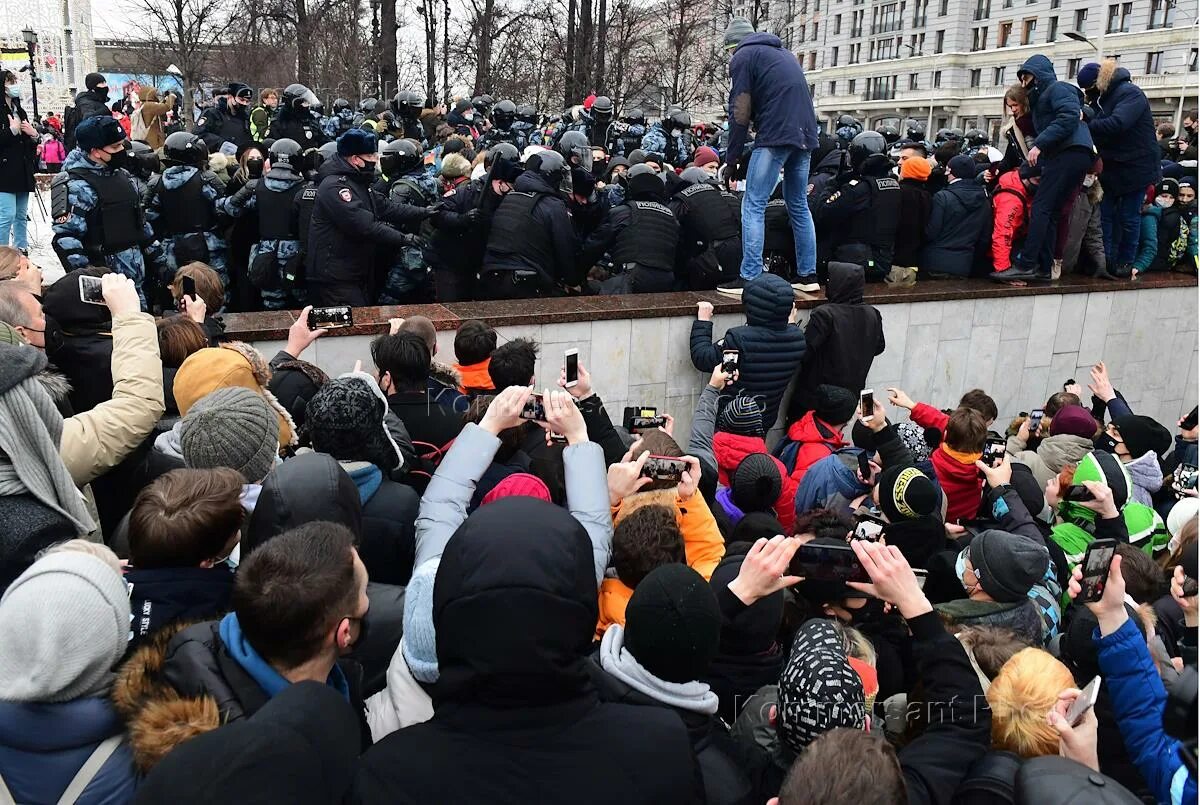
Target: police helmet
point(287, 154)
point(693, 175)
point(679, 120)
point(644, 183)
point(602, 107)
point(185, 148)
point(576, 144)
point(942, 135)
point(343, 109)
point(914, 130)
point(367, 106)
point(635, 117)
point(145, 160)
point(864, 145)
point(407, 103)
point(399, 157)
point(956, 133)
point(482, 107)
point(315, 157)
point(847, 128)
point(975, 138)
point(501, 151)
point(527, 113)
point(504, 113)
point(298, 98)
point(552, 167)
point(890, 133)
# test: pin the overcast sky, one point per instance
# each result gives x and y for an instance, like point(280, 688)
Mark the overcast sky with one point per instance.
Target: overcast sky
point(109, 19)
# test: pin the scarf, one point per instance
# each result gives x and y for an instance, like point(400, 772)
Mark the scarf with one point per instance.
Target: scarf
point(30, 434)
point(696, 697)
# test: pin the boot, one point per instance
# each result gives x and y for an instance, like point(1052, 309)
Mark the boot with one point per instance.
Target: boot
point(1056, 269)
point(901, 277)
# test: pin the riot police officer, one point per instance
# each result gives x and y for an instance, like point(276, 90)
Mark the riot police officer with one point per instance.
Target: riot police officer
point(975, 140)
point(641, 236)
point(628, 134)
point(227, 121)
point(671, 138)
point(183, 206)
point(297, 118)
point(144, 165)
point(409, 187)
point(97, 213)
point(847, 129)
point(408, 105)
point(526, 124)
point(602, 129)
point(531, 245)
point(504, 128)
point(710, 230)
point(341, 120)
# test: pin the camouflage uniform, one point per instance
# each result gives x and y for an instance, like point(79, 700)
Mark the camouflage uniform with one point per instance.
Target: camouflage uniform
point(180, 248)
point(408, 277)
point(674, 150)
point(282, 284)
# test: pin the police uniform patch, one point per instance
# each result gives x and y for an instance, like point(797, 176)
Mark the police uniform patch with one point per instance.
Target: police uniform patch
point(345, 194)
point(200, 123)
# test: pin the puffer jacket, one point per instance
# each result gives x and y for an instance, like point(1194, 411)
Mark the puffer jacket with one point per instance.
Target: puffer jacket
point(730, 449)
point(1054, 453)
point(402, 703)
point(956, 229)
point(770, 348)
point(1122, 126)
point(818, 439)
point(1056, 107)
point(1010, 205)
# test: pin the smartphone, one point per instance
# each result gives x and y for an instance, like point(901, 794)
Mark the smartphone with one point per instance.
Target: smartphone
point(993, 451)
point(1035, 420)
point(535, 408)
point(1189, 421)
point(868, 528)
point(828, 562)
point(664, 468)
point(572, 362)
point(1084, 702)
point(922, 574)
point(328, 318)
point(90, 290)
point(189, 286)
point(864, 467)
point(866, 404)
point(1184, 478)
point(1095, 563)
point(1077, 493)
point(729, 361)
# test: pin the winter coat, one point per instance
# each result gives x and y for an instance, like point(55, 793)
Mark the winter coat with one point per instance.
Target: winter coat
point(401, 704)
point(53, 152)
point(957, 224)
point(44, 744)
point(87, 104)
point(1086, 238)
point(162, 596)
point(842, 338)
point(768, 89)
point(1010, 205)
point(1148, 244)
point(1056, 107)
point(817, 440)
point(730, 449)
point(831, 482)
point(745, 661)
point(1138, 699)
point(389, 515)
point(153, 111)
point(425, 419)
point(1165, 238)
point(517, 717)
point(959, 479)
point(915, 206)
point(1122, 126)
point(1052, 454)
point(1146, 473)
point(770, 348)
point(18, 152)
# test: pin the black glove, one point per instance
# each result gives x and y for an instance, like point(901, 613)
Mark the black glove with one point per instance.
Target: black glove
point(434, 209)
point(243, 194)
point(474, 215)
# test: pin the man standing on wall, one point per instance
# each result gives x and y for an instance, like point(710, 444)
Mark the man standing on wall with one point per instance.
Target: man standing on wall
point(768, 88)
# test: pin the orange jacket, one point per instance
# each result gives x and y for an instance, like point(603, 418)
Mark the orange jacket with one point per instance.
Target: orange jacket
point(475, 377)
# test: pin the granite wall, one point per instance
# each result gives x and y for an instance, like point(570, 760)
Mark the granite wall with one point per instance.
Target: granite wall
point(1020, 349)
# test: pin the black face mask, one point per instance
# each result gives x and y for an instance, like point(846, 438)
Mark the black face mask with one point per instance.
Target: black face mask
point(364, 628)
point(254, 168)
point(367, 169)
point(1107, 443)
point(121, 159)
point(101, 93)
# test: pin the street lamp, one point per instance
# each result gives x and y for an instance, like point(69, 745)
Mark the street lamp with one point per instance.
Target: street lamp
point(31, 39)
point(1077, 36)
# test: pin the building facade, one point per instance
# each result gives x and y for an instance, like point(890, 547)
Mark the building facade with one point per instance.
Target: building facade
point(65, 51)
point(948, 62)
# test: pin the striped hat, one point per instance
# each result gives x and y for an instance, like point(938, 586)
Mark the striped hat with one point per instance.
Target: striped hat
point(742, 416)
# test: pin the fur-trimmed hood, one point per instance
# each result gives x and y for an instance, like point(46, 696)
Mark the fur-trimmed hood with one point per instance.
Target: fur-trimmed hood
point(1110, 74)
point(446, 375)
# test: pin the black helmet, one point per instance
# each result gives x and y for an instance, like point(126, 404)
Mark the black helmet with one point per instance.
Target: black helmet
point(399, 157)
point(864, 145)
point(343, 109)
point(576, 144)
point(602, 107)
point(367, 106)
point(678, 120)
point(975, 138)
point(527, 113)
point(482, 107)
point(504, 113)
point(694, 175)
point(287, 154)
point(185, 148)
point(890, 133)
point(408, 104)
point(956, 134)
point(145, 160)
point(847, 120)
point(643, 183)
point(315, 157)
point(635, 117)
point(914, 130)
point(501, 151)
point(552, 167)
point(942, 135)
point(297, 98)
point(847, 128)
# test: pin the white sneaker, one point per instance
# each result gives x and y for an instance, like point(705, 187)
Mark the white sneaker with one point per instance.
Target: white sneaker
point(806, 287)
point(1056, 269)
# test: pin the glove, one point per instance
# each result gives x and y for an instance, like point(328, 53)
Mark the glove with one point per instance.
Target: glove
point(434, 209)
point(474, 215)
point(244, 193)
point(412, 240)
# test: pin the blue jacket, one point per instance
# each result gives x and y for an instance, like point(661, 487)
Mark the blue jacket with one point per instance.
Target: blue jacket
point(830, 477)
point(1138, 698)
point(43, 745)
point(1055, 106)
point(958, 229)
point(1122, 126)
point(768, 88)
point(771, 350)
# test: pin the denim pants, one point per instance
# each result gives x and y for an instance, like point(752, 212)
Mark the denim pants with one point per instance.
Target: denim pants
point(1121, 220)
point(1062, 173)
point(13, 207)
point(761, 177)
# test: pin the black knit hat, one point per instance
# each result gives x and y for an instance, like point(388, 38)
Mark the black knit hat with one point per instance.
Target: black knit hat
point(835, 405)
point(753, 629)
point(756, 483)
point(345, 420)
point(863, 437)
point(1167, 186)
point(906, 493)
point(1007, 564)
point(742, 416)
point(97, 132)
point(673, 624)
point(239, 90)
point(93, 80)
point(1142, 434)
point(756, 525)
point(1067, 782)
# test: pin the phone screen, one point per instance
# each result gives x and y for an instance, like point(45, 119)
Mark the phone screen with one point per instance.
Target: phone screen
point(664, 468)
point(327, 318)
point(828, 562)
point(1190, 420)
point(866, 403)
point(534, 409)
point(1184, 478)
point(864, 467)
point(993, 452)
point(729, 361)
point(90, 290)
point(868, 528)
point(1095, 569)
point(1035, 420)
point(572, 367)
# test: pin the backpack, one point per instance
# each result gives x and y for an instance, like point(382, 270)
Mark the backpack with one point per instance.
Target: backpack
point(138, 129)
point(70, 121)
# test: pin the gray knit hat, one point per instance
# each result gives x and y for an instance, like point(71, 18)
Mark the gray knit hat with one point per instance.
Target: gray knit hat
point(1007, 564)
point(64, 624)
point(232, 427)
point(739, 28)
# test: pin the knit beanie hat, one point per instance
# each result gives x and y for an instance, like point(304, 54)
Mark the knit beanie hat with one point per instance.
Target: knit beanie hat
point(1167, 186)
point(673, 624)
point(232, 427)
point(1087, 75)
point(918, 169)
point(906, 493)
point(356, 142)
point(239, 90)
point(818, 690)
point(742, 416)
point(1073, 535)
point(863, 437)
point(737, 30)
point(1142, 435)
point(93, 80)
point(1074, 420)
point(232, 364)
point(519, 484)
point(916, 438)
point(756, 483)
point(455, 166)
point(1008, 564)
point(961, 167)
point(835, 405)
point(756, 525)
point(420, 639)
point(64, 624)
point(346, 420)
point(704, 156)
point(1183, 511)
point(753, 629)
point(97, 132)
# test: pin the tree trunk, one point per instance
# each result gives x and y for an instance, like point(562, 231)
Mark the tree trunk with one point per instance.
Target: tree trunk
point(387, 48)
point(584, 42)
point(304, 49)
point(483, 53)
point(569, 87)
point(602, 48)
point(446, 53)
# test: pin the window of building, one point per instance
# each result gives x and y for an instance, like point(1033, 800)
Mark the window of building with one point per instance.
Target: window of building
point(837, 24)
point(816, 26)
point(800, 32)
point(939, 42)
point(1081, 20)
point(884, 49)
point(913, 80)
point(1154, 62)
point(857, 24)
point(833, 56)
point(851, 84)
point(979, 39)
point(855, 52)
point(1162, 13)
point(1072, 68)
point(1005, 33)
point(983, 9)
point(1193, 60)
point(1008, 3)
point(937, 79)
point(812, 60)
point(888, 18)
point(975, 77)
point(1028, 29)
point(1052, 30)
point(1055, 4)
point(1118, 17)
point(919, 11)
point(944, 9)
point(998, 76)
point(833, 88)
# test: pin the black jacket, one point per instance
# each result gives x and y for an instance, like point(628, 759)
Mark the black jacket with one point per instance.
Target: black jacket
point(79, 343)
point(842, 338)
point(159, 596)
point(303, 128)
point(517, 717)
point(426, 420)
point(914, 215)
point(389, 539)
point(87, 104)
point(219, 124)
point(551, 213)
point(18, 153)
point(958, 231)
point(770, 349)
point(349, 225)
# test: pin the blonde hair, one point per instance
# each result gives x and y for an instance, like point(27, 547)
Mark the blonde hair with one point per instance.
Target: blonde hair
point(96, 549)
point(1021, 696)
point(861, 647)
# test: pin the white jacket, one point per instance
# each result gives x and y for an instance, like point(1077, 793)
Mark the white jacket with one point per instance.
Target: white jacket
point(401, 704)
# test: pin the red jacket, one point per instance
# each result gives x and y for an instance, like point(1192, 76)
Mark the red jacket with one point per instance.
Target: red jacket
point(731, 448)
point(959, 478)
point(1011, 204)
point(817, 440)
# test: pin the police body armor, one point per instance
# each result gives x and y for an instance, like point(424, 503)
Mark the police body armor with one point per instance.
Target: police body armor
point(185, 209)
point(710, 213)
point(874, 228)
point(630, 142)
point(650, 239)
point(305, 202)
point(115, 223)
point(777, 231)
point(276, 222)
point(516, 231)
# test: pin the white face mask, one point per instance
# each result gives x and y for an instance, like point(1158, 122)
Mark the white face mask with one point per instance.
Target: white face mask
point(1165, 201)
point(1089, 180)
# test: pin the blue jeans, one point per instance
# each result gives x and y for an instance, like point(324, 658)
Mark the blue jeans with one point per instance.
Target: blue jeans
point(1121, 220)
point(761, 177)
point(13, 207)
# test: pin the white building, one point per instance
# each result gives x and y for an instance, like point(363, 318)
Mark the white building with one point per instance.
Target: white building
point(65, 49)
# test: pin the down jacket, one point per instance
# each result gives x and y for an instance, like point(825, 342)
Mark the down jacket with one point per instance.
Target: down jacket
point(771, 349)
point(956, 229)
point(1056, 107)
point(1122, 126)
point(1010, 203)
point(1052, 454)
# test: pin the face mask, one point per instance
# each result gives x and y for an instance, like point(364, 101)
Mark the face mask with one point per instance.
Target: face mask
point(13, 91)
point(1089, 180)
point(960, 570)
point(676, 132)
point(367, 169)
point(1165, 201)
point(121, 159)
point(364, 628)
point(254, 168)
point(1107, 443)
point(101, 93)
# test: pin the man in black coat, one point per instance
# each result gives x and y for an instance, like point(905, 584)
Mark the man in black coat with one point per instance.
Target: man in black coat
point(957, 236)
point(92, 102)
point(350, 224)
point(227, 121)
point(517, 718)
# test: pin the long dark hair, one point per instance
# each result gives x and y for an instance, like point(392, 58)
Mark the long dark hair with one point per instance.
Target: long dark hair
point(5, 77)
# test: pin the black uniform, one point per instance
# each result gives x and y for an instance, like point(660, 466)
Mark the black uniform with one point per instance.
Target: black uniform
point(864, 212)
point(531, 246)
point(304, 128)
point(642, 238)
point(349, 224)
point(456, 249)
point(710, 235)
point(221, 124)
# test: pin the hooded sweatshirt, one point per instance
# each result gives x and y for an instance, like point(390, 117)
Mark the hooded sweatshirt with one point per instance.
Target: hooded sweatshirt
point(818, 440)
point(731, 448)
point(1056, 107)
